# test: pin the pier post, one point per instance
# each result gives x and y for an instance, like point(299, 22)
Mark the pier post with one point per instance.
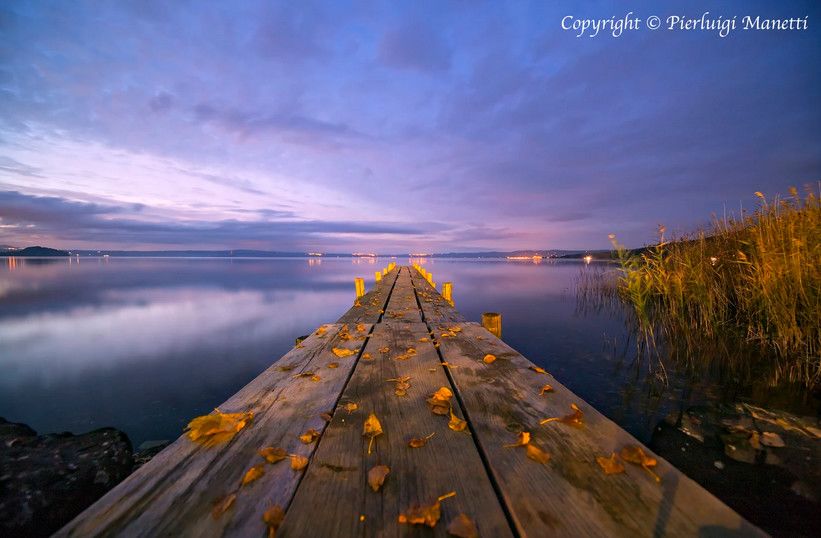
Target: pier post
point(360, 287)
point(378, 276)
point(492, 321)
point(447, 291)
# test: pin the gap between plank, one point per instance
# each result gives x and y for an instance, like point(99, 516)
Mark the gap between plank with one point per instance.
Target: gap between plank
point(482, 455)
point(347, 380)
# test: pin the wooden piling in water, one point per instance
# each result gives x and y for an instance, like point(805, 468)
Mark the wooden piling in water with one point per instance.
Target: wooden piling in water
point(492, 321)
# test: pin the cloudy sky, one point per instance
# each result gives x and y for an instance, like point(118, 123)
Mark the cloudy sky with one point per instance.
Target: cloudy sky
point(391, 126)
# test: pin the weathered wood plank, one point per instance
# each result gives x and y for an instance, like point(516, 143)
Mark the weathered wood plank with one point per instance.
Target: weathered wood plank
point(372, 303)
point(335, 493)
point(434, 306)
point(570, 495)
point(402, 305)
point(173, 494)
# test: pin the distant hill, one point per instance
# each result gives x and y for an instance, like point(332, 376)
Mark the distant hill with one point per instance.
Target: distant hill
point(40, 252)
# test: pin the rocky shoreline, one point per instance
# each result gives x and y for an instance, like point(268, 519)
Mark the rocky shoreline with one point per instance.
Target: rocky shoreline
point(764, 464)
point(46, 480)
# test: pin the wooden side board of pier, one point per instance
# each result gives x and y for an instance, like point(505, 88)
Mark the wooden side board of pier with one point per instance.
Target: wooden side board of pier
point(405, 330)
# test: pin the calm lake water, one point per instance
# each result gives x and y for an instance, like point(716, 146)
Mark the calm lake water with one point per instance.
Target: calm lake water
point(145, 344)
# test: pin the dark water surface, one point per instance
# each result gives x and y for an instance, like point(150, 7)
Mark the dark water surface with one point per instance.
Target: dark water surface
point(145, 344)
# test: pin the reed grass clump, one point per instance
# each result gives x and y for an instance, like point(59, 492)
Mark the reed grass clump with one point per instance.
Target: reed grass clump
point(750, 285)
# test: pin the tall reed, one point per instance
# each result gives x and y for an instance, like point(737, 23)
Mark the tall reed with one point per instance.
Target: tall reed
point(748, 288)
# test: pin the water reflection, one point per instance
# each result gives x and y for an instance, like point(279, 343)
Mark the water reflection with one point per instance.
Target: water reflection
point(145, 344)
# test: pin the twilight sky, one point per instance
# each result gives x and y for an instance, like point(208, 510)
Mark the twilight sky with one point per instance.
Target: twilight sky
point(392, 126)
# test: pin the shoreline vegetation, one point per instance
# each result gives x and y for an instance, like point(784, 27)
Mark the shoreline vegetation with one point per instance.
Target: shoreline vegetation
point(742, 295)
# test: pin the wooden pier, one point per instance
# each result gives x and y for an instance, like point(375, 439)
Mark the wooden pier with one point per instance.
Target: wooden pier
point(402, 343)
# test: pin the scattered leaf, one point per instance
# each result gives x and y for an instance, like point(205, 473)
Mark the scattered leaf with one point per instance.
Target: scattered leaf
point(309, 436)
point(223, 505)
point(419, 442)
point(446, 364)
point(350, 407)
point(315, 378)
point(333, 365)
point(298, 462)
point(546, 388)
point(772, 440)
point(636, 454)
point(537, 454)
point(360, 327)
point(253, 473)
point(456, 424)
point(343, 352)
point(366, 357)
point(439, 402)
point(273, 454)
point(286, 367)
point(384, 349)
point(611, 465)
point(463, 527)
point(321, 330)
point(538, 369)
point(425, 514)
point(576, 418)
point(304, 374)
point(523, 439)
point(218, 427)
point(488, 359)
point(424, 339)
point(377, 476)
point(371, 429)
point(273, 519)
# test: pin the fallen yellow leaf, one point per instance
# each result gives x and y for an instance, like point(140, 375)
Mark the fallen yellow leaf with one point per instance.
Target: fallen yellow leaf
point(636, 454)
point(273, 455)
point(488, 359)
point(611, 465)
point(456, 424)
point(419, 442)
point(425, 514)
point(576, 418)
point(370, 429)
point(273, 519)
point(377, 476)
point(218, 427)
point(546, 388)
point(537, 454)
point(343, 352)
point(309, 436)
point(253, 473)
point(523, 439)
point(298, 462)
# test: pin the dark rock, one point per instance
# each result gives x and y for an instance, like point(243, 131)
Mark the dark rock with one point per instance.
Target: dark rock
point(148, 450)
point(763, 464)
point(46, 480)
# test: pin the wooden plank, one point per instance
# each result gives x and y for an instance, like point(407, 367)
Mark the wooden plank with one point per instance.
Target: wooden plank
point(402, 305)
point(570, 495)
point(173, 494)
point(435, 308)
point(372, 304)
point(334, 493)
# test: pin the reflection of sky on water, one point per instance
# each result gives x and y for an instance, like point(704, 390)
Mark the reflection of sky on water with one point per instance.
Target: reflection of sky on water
point(145, 344)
